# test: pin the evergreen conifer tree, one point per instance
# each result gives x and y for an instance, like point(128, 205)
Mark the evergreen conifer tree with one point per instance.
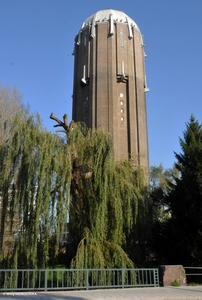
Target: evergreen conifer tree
point(179, 239)
point(185, 199)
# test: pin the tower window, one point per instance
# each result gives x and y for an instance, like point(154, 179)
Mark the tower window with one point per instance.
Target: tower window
point(121, 102)
point(122, 118)
point(86, 98)
point(121, 95)
point(121, 38)
point(85, 40)
point(122, 110)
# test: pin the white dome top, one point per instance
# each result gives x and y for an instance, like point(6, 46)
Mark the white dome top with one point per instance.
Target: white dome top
point(104, 15)
point(109, 15)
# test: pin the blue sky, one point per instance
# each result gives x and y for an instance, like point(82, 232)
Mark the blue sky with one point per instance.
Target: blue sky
point(37, 41)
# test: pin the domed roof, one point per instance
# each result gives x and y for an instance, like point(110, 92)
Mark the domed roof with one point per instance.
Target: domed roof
point(109, 15)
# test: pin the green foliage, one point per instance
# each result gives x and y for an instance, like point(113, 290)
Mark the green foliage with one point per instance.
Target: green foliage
point(10, 104)
point(34, 184)
point(161, 182)
point(184, 203)
point(185, 199)
point(175, 283)
point(45, 179)
point(104, 201)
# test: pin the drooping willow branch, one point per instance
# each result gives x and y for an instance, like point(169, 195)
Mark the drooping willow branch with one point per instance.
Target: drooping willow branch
point(103, 202)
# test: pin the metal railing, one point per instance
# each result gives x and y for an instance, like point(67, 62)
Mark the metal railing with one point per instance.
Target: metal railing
point(193, 274)
point(69, 279)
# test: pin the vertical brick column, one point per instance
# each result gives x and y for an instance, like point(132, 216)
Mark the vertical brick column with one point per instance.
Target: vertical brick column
point(170, 273)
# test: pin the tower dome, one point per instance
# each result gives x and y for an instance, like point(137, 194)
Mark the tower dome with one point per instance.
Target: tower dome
point(112, 16)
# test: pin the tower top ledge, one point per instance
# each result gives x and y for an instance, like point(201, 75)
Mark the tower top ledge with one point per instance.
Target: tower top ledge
point(108, 15)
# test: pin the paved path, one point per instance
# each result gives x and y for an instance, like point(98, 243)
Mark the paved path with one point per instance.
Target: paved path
point(155, 293)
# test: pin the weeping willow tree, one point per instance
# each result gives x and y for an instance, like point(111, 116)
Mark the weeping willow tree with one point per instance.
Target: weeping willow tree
point(34, 182)
point(10, 103)
point(45, 178)
point(104, 201)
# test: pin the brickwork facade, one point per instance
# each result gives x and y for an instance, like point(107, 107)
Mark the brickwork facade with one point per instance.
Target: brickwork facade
point(109, 82)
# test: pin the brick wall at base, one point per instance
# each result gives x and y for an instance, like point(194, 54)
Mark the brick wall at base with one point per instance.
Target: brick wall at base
point(169, 273)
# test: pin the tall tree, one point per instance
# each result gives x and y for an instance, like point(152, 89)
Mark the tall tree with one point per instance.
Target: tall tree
point(104, 200)
point(161, 182)
point(43, 178)
point(184, 229)
point(34, 179)
point(185, 199)
point(10, 104)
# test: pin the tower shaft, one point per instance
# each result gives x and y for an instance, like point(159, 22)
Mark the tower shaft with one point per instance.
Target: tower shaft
point(109, 82)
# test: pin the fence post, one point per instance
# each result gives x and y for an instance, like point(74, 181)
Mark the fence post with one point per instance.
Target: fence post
point(122, 278)
point(87, 279)
point(156, 277)
point(46, 280)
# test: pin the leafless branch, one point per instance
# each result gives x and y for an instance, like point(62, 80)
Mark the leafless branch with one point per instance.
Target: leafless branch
point(64, 124)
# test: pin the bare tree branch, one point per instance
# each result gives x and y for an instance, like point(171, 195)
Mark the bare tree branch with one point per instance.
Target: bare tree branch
point(61, 124)
point(61, 130)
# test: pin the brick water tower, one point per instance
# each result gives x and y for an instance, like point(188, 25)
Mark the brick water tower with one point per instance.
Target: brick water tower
point(110, 82)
